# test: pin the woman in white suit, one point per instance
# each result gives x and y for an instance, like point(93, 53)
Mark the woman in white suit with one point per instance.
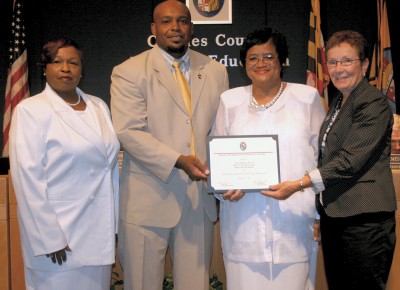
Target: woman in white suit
point(266, 243)
point(64, 167)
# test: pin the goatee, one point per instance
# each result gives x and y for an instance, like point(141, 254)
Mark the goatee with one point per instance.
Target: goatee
point(178, 50)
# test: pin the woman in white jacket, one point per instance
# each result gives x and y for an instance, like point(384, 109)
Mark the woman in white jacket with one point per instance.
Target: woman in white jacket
point(266, 243)
point(64, 168)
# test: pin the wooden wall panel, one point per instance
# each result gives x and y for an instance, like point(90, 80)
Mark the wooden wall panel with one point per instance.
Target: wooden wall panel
point(320, 279)
point(4, 235)
point(394, 277)
point(17, 264)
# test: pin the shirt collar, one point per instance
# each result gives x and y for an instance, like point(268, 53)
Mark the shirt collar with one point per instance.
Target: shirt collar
point(170, 59)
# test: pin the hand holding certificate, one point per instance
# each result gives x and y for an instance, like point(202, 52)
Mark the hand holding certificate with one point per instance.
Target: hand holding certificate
point(248, 163)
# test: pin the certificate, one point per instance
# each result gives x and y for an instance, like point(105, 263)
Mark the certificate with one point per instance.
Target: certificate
point(248, 163)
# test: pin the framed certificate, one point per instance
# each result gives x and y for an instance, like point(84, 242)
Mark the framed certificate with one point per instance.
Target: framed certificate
point(248, 163)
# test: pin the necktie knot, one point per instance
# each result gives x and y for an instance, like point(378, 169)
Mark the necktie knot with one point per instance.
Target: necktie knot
point(176, 65)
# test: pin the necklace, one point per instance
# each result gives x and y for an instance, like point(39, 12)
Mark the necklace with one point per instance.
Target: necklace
point(262, 107)
point(77, 103)
point(331, 120)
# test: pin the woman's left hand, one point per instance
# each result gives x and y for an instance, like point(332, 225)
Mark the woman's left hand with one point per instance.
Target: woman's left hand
point(282, 190)
point(59, 256)
point(233, 195)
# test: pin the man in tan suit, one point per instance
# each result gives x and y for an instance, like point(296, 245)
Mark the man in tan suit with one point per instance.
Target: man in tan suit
point(163, 198)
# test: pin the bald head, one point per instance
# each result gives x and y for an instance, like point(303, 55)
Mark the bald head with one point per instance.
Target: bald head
point(172, 27)
point(171, 4)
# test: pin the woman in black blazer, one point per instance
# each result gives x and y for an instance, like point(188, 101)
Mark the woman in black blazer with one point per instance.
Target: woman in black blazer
point(353, 182)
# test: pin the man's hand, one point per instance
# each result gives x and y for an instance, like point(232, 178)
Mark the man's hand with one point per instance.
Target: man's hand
point(193, 167)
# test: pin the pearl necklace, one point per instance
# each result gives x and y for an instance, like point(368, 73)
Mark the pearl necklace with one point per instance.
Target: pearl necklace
point(262, 107)
point(77, 103)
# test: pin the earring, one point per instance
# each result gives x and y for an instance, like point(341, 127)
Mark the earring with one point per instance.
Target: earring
point(44, 74)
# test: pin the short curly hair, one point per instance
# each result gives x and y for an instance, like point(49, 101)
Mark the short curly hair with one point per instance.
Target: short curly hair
point(353, 38)
point(261, 36)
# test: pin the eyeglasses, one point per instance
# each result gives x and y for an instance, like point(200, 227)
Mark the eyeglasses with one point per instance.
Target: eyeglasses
point(266, 58)
point(345, 62)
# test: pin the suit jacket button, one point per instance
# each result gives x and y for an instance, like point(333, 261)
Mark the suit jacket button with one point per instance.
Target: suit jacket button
point(188, 121)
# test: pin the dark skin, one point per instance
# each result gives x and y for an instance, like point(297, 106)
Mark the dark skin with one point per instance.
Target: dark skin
point(196, 169)
point(173, 29)
point(59, 256)
point(63, 75)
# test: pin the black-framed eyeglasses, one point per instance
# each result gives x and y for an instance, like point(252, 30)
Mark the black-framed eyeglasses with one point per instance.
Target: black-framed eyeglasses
point(344, 62)
point(266, 58)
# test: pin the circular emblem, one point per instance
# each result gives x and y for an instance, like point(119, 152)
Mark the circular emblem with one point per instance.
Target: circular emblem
point(208, 8)
point(243, 146)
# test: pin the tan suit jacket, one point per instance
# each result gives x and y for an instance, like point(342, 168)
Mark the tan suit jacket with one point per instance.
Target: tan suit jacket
point(153, 126)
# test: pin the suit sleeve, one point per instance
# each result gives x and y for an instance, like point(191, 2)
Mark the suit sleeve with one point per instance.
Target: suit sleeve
point(129, 111)
point(27, 159)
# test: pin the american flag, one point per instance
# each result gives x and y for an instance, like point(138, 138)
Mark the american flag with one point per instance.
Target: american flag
point(17, 87)
point(317, 70)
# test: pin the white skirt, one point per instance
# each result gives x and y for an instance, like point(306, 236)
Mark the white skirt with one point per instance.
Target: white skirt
point(269, 276)
point(93, 278)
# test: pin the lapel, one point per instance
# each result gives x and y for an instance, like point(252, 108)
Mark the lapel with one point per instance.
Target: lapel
point(198, 78)
point(345, 112)
point(166, 77)
point(328, 116)
point(69, 117)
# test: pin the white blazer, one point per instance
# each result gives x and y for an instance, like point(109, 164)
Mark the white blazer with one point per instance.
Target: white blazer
point(65, 175)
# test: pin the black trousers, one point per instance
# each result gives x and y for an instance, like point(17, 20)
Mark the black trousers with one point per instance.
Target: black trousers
point(358, 250)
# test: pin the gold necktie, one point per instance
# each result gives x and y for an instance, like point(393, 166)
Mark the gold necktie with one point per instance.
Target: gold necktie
point(185, 91)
